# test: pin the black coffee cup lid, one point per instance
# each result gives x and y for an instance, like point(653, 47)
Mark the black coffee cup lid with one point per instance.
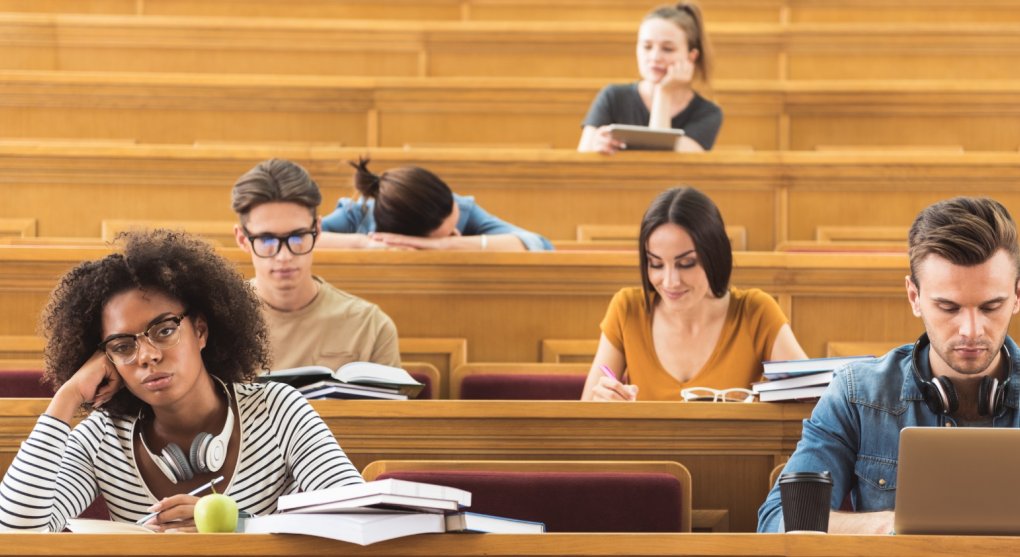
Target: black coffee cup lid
point(821, 477)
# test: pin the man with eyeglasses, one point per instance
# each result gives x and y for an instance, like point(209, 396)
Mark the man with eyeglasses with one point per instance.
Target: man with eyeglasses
point(310, 322)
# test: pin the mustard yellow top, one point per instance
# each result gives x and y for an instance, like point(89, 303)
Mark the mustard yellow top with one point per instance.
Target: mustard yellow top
point(753, 321)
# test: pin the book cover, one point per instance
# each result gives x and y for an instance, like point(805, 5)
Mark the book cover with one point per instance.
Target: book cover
point(489, 524)
point(353, 373)
point(782, 369)
point(384, 502)
point(823, 378)
point(359, 528)
point(391, 486)
point(799, 393)
point(333, 389)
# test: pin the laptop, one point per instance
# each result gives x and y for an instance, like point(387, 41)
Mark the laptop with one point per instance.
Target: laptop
point(958, 480)
point(645, 138)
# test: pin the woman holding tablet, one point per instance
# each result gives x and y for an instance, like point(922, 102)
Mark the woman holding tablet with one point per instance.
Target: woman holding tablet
point(161, 341)
point(672, 50)
point(685, 326)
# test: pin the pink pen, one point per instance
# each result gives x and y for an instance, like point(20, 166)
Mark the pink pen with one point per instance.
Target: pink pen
point(608, 372)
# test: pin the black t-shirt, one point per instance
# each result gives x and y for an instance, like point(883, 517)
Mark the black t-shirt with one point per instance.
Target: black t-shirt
point(622, 104)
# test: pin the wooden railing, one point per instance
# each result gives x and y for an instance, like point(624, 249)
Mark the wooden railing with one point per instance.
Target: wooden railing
point(424, 48)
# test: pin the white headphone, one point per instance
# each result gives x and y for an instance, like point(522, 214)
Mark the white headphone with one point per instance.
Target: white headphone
point(207, 453)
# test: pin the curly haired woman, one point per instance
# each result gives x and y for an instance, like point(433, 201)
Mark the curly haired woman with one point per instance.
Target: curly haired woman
point(161, 341)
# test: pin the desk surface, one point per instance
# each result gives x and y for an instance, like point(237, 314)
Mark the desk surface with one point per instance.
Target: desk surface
point(469, 545)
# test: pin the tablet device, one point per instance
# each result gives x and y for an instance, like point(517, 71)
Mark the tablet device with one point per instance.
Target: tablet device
point(958, 480)
point(645, 138)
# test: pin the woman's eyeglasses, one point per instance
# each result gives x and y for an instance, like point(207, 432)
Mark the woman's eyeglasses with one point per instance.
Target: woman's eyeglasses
point(123, 349)
point(707, 394)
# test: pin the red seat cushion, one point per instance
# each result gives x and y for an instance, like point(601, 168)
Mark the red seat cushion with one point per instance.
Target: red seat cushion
point(497, 386)
point(426, 392)
point(569, 501)
point(23, 384)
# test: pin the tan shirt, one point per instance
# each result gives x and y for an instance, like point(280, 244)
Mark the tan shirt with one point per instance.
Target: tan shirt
point(336, 328)
point(753, 321)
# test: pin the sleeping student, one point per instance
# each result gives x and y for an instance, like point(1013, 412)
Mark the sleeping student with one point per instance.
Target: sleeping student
point(672, 51)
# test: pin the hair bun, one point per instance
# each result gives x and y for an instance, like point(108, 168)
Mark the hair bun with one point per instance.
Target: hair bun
point(365, 181)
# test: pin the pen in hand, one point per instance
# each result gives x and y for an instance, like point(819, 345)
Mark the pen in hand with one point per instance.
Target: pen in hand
point(195, 491)
point(608, 372)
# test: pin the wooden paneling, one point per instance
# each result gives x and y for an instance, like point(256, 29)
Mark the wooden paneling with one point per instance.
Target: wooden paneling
point(775, 196)
point(505, 304)
point(729, 449)
point(767, 115)
point(579, 49)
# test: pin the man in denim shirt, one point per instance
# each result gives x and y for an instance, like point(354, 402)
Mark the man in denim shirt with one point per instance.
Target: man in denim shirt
point(963, 284)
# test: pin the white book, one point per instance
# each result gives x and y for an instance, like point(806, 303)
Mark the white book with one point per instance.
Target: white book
point(391, 486)
point(486, 523)
point(799, 393)
point(355, 373)
point(359, 528)
point(791, 382)
point(95, 526)
point(781, 369)
point(383, 502)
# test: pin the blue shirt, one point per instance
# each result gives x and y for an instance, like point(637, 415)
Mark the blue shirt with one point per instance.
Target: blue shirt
point(854, 430)
point(355, 216)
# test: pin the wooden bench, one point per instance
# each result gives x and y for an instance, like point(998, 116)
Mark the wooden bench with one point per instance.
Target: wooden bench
point(374, 112)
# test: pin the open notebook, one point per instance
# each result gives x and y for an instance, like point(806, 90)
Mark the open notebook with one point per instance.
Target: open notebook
point(958, 480)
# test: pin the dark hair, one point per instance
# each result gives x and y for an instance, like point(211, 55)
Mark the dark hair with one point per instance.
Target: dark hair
point(697, 214)
point(967, 231)
point(177, 265)
point(274, 180)
point(687, 17)
point(408, 200)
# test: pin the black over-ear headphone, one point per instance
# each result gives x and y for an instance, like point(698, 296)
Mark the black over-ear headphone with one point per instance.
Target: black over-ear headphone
point(940, 395)
point(207, 453)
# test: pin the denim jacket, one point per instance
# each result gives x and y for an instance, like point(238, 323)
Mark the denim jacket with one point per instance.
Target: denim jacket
point(356, 216)
point(854, 430)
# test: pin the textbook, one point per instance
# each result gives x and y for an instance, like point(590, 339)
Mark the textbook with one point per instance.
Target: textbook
point(354, 374)
point(359, 528)
point(404, 488)
point(333, 389)
point(383, 502)
point(485, 523)
point(781, 369)
point(799, 393)
point(822, 378)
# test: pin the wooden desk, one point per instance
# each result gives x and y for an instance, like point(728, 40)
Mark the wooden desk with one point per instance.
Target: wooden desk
point(393, 112)
point(775, 196)
point(994, 11)
point(728, 448)
point(433, 48)
point(510, 545)
point(505, 304)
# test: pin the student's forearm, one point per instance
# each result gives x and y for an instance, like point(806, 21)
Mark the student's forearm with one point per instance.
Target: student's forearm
point(338, 240)
point(492, 242)
point(660, 112)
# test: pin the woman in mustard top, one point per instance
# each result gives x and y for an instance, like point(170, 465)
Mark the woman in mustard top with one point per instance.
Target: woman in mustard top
point(686, 326)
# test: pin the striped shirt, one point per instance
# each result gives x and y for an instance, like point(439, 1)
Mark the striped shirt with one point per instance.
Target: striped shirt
point(57, 473)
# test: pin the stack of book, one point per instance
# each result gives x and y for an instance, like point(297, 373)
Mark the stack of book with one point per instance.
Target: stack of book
point(381, 510)
point(353, 380)
point(799, 379)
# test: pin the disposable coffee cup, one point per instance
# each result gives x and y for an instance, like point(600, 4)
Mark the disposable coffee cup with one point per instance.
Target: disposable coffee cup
point(805, 497)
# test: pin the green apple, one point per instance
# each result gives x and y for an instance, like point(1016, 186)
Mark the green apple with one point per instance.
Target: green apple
point(215, 513)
